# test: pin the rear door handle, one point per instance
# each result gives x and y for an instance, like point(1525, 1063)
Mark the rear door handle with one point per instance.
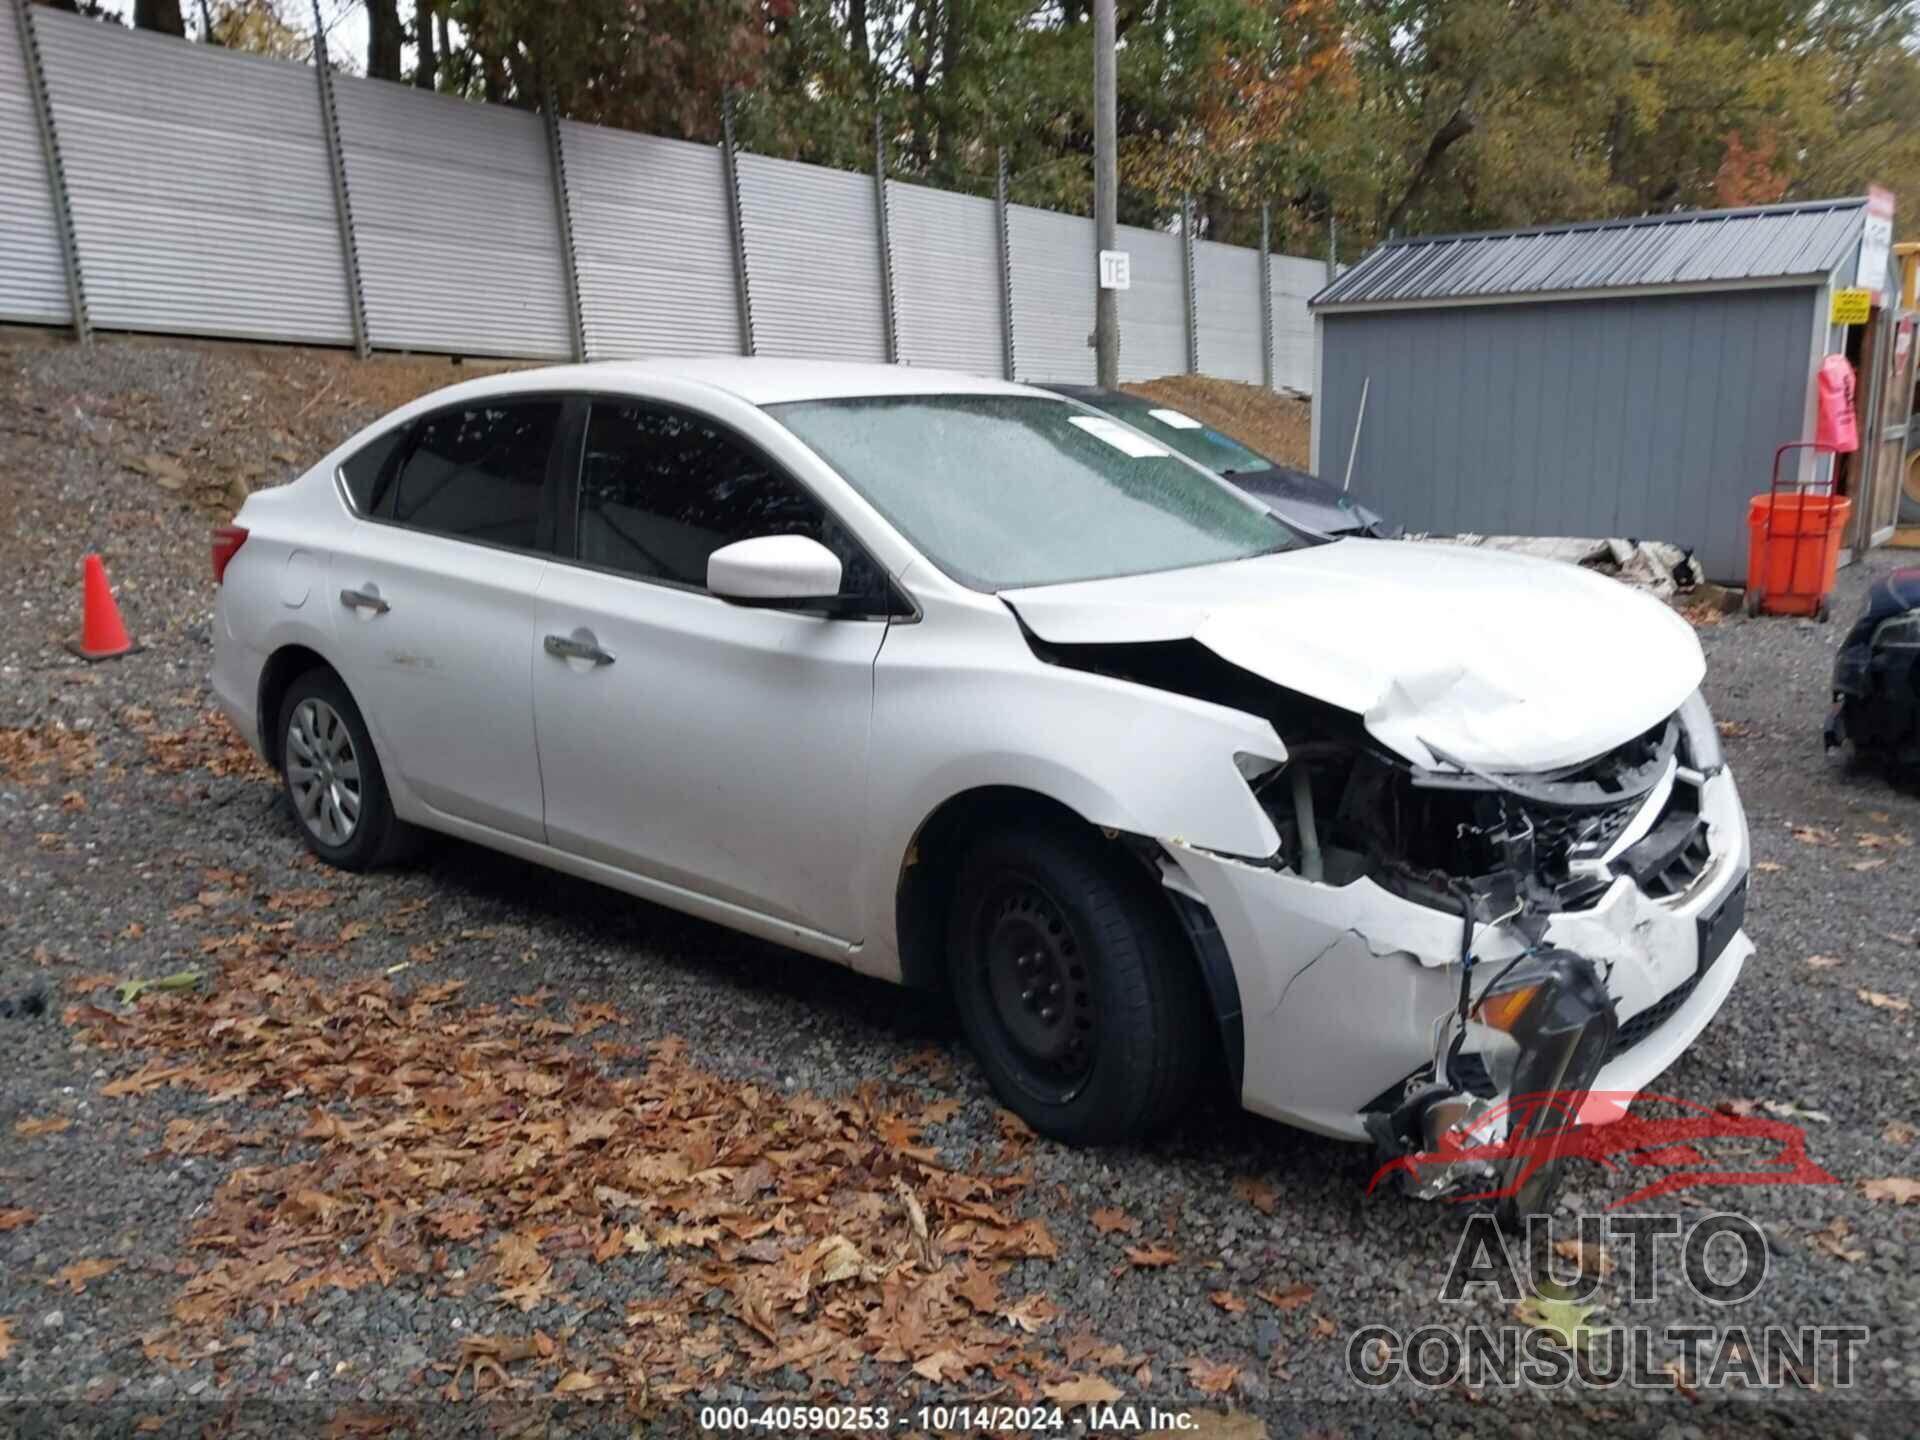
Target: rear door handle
point(574, 647)
point(364, 600)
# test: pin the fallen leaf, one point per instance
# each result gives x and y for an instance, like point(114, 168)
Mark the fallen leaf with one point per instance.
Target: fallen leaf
point(943, 1365)
point(1814, 835)
point(1257, 1193)
point(14, 1219)
point(1768, 867)
point(1897, 1188)
point(1869, 840)
point(1787, 1110)
point(76, 1275)
point(1825, 962)
point(1885, 1002)
point(1833, 1241)
point(1228, 1301)
point(1564, 1320)
point(1866, 864)
point(573, 1382)
point(1211, 1377)
point(1323, 1327)
point(1590, 1259)
point(131, 990)
point(1108, 1222)
point(1899, 1132)
point(1291, 1298)
point(1032, 1314)
point(7, 1342)
point(45, 1125)
point(1151, 1257)
point(1078, 1391)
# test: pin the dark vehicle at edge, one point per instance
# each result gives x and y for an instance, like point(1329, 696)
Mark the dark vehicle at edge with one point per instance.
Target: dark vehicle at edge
point(1295, 494)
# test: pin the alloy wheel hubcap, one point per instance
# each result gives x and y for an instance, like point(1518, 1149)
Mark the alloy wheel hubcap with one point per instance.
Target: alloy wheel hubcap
point(323, 772)
point(1038, 981)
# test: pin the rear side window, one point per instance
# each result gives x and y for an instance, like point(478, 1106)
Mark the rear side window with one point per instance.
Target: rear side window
point(661, 490)
point(366, 467)
point(480, 473)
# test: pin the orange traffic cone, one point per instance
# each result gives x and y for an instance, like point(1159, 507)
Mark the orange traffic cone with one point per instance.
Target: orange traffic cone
point(102, 636)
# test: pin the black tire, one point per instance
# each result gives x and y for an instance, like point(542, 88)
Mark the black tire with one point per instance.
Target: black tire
point(1130, 1037)
point(376, 835)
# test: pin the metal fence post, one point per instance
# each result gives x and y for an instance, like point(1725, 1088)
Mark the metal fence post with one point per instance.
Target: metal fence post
point(888, 308)
point(735, 210)
point(563, 215)
point(1266, 296)
point(1193, 313)
point(1006, 260)
point(56, 172)
point(342, 206)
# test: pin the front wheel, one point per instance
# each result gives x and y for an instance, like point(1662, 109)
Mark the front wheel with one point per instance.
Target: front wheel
point(1078, 993)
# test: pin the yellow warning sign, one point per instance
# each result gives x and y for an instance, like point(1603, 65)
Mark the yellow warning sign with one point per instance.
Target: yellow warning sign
point(1851, 307)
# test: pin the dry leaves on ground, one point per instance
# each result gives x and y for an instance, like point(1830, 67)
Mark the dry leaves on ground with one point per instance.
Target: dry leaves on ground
point(1880, 1001)
point(547, 1150)
point(1590, 1259)
point(15, 1218)
point(1814, 835)
point(1212, 1377)
point(1291, 1298)
point(1110, 1222)
point(42, 1125)
point(1228, 1301)
point(1257, 1193)
point(1898, 1189)
point(7, 1339)
point(210, 744)
point(1899, 1132)
point(1151, 1256)
point(46, 753)
point(1836, 1240)
point(74, 1277)
point(1825, 962)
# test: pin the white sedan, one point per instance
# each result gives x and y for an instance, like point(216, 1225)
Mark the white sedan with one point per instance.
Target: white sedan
point(972, 688)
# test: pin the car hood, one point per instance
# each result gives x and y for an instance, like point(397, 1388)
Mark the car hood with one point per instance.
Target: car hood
point(1496, 661)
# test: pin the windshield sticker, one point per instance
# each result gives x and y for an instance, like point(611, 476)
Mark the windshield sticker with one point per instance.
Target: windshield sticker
point(1127, 442)
point(1176, 420)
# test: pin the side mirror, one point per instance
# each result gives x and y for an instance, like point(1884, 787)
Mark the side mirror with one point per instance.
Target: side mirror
point(774, 570)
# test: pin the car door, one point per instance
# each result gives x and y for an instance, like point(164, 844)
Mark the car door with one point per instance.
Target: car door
point(435, 634)
point(714, 747)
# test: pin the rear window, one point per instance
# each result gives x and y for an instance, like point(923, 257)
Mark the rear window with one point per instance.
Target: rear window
point(480, 473)
point(364, 470)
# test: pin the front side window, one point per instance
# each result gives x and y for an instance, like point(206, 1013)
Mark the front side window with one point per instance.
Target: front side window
point(1003, 491)
point(661, 490)
point(480, 473)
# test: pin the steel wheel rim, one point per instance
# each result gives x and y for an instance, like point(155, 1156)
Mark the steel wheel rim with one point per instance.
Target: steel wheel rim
point(323, 772)
point(1038, 982)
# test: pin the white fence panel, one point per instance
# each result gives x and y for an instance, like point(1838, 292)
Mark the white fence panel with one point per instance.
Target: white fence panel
point(33, 278)
point(653, 237)
point(813, 261)
point(1153, 309)
point(199, 184)
point(1053, 275)
point(454, 216)
point(1227, 304)
point(946, 279)
point(1295, 281)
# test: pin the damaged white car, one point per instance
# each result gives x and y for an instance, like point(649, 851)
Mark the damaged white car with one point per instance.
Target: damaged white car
point(969, 687)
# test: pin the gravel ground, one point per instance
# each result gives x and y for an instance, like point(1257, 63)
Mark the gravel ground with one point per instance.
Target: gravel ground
point(140, 841)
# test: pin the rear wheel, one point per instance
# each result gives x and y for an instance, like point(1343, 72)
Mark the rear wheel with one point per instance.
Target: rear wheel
point(333, 778)
point(1078, 993)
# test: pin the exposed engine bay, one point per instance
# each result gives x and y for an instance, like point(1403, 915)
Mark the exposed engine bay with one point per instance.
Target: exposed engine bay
point(1514, 854)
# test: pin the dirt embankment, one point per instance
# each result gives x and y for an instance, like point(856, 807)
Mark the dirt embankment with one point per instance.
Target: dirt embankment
point(1278, 426)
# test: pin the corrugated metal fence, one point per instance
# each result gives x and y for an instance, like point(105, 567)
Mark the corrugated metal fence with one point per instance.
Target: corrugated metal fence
point(149, 184)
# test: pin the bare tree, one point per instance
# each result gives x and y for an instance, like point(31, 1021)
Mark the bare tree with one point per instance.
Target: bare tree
point(161, 15)
point(384, 39)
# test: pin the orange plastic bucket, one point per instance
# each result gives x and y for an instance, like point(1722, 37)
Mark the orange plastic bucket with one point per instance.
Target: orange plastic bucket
point(1793, 549)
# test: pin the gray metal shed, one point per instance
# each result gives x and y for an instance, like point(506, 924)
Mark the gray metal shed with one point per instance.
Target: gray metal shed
point(1623, 377)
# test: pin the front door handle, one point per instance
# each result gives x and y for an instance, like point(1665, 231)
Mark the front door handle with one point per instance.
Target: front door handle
point(575, 647)
point(364, 600)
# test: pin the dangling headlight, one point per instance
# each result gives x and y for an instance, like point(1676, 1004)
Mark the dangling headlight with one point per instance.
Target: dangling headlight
point(1702, 737)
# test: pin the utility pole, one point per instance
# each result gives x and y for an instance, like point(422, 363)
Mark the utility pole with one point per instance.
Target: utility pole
point(1106, 193)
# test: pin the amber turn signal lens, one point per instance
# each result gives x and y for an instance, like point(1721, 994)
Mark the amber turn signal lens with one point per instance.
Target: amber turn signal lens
point(1503, 1011)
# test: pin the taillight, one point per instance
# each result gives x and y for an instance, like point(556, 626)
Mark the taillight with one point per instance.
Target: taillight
point(227, 540)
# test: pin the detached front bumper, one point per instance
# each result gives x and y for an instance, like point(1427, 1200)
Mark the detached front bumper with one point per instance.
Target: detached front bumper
point(1347, 993)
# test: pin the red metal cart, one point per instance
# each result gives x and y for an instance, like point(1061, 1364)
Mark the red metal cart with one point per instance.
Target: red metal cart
point(1793, 542)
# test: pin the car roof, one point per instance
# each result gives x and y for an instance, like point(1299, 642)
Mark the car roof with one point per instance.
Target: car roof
point(754, 380)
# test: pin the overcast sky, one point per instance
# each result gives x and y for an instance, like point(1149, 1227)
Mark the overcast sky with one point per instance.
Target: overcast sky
point(346, 22)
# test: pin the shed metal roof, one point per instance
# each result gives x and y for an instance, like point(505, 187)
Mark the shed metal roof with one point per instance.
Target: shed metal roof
point(1702, 248)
